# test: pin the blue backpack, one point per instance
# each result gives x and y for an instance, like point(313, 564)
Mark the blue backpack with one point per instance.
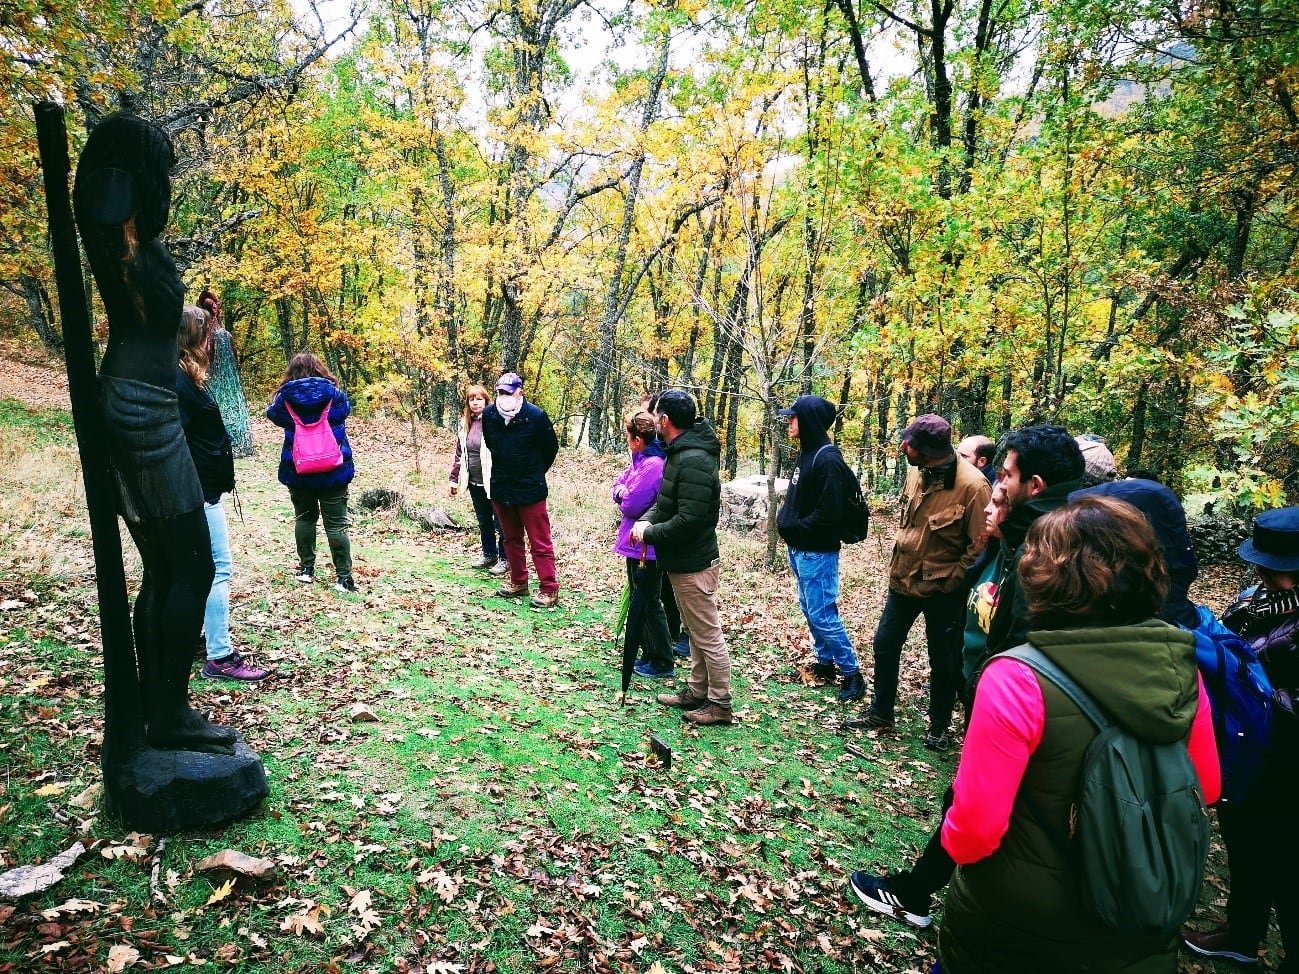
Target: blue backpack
point(1240, 696)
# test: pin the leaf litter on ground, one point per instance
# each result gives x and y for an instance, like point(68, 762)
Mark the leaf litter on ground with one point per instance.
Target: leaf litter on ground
point(502, 812)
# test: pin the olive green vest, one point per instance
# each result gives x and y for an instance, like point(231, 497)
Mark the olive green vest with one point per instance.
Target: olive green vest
point(1018, 910)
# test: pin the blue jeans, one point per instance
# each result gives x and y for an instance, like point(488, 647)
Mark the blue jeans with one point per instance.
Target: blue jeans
point(489, 527)
point(216, 615)
point(817, 573)
point(943, 614)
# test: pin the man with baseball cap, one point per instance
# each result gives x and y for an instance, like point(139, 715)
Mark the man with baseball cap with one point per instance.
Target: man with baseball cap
point(940, 521)
point(810, 523)
point(523, 444)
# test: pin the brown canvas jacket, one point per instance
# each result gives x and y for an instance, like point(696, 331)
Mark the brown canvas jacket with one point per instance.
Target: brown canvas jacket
point(938, 531)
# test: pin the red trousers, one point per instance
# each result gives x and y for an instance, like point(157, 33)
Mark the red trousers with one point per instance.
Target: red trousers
point(533, 520)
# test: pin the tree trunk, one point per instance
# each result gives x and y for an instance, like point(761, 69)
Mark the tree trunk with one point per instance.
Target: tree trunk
point(614, 298)
point(41, 312)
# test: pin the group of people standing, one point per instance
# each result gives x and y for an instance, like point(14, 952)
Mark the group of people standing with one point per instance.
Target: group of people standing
point(668, 500)
point(503, 452)
point(1034, 540)
point(1051, 550)
point(308, 389)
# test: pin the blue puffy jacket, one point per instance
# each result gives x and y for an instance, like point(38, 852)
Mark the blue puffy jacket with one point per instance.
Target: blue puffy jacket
point(308, 397)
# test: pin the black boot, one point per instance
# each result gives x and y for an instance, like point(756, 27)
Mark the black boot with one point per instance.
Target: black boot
point(854, 687)
point(825, 672)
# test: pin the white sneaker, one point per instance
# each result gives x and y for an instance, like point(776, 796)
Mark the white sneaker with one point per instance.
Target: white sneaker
point(500, 568)
point(306, 578)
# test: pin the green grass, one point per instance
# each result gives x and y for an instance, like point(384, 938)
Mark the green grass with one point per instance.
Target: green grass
point(502, 813)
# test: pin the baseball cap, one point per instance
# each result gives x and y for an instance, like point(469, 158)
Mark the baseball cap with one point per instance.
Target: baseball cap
point(509, 382)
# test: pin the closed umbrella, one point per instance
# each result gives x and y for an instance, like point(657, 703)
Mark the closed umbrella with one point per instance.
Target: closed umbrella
point(633, 620)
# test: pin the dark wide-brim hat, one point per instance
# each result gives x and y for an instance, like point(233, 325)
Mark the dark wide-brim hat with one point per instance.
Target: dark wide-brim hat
point(1275, 544)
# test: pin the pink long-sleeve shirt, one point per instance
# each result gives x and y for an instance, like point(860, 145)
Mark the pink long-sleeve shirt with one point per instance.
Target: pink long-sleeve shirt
point(1005, 729)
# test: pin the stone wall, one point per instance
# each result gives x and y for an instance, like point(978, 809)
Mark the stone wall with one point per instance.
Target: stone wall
point(744, 503)
point(1216, 538)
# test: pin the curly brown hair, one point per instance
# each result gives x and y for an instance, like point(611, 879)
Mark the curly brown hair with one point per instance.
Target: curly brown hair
point(1094, 562)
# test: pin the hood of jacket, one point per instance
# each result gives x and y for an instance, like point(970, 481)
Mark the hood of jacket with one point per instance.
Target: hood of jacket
point(654, 449)
point(815, 417)
point(309, 393)
point(701, 436)
point(1144, 676)
point(1164, 512)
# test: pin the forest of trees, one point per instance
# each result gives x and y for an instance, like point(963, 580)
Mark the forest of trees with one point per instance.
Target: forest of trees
point(1083, 211)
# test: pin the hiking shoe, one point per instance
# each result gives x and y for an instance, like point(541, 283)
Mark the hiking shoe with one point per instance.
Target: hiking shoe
point(853, 688)
point(1218, 943)
point(484, 563)
point(682, 648)
point(646, 669)
point(822, 673)
point(502, 567)
point(544, 600)
point(345, 584)
point(685, 700)
point(877, 893)
point(710, 714)
point(938, 740)
point(511, 591)
point(305, 577)
point(872, 720)
point(232, 667)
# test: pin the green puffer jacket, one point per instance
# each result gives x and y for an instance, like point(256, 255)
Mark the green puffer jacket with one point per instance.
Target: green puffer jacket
point(683, 521)
point(1018, 910)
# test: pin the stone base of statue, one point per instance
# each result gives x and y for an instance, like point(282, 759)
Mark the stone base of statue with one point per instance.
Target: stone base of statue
point(167, 791)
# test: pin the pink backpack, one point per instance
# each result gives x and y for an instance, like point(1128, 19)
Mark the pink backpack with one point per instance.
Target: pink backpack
point(314, 448)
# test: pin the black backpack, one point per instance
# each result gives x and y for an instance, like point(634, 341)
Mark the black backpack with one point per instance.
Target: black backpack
point(856, 512)
point(1139, 830)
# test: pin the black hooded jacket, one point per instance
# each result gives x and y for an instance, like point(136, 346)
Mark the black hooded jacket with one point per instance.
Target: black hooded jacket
point(811, 516)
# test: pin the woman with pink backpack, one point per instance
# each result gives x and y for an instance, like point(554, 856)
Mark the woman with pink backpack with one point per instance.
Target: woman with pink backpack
point(315, 462)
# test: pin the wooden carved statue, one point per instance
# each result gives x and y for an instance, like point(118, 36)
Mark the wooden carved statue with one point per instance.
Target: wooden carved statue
point(121, 199)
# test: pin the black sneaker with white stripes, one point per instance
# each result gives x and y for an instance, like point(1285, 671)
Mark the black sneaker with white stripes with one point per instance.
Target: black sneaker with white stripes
point(876, 893)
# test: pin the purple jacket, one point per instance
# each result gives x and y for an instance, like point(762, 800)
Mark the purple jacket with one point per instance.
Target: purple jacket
point(634, 492)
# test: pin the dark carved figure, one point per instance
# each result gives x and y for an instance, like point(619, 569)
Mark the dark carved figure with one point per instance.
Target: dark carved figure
point(121, 198)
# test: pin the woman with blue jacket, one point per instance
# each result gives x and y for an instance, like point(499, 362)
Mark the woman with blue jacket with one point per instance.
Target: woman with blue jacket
point(309, 388)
